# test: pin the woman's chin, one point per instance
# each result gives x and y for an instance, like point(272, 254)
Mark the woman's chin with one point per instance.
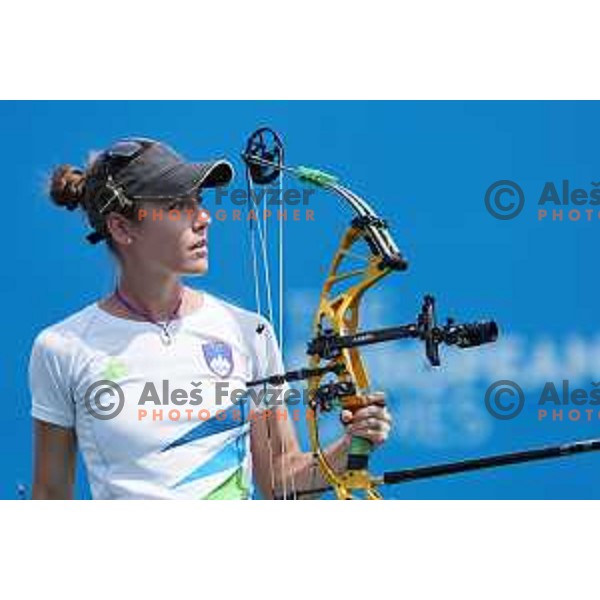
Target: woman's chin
point(195, 267)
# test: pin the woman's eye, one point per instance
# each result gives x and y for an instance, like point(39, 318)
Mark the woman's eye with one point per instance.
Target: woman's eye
point(185, 204)
point(177, 205)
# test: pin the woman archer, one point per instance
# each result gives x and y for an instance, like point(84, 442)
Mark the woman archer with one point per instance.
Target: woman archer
point(95, 376)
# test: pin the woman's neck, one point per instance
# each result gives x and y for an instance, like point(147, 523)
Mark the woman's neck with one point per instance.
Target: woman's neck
point(156, 294)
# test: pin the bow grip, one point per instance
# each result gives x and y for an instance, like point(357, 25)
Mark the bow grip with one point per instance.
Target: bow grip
point(358, 454)
point(360, 448)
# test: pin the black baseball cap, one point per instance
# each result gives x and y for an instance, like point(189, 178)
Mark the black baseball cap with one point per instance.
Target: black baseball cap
point(146, 169)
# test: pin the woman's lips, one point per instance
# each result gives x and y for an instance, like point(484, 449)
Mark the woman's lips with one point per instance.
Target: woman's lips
point(199, 249)
point(198, 244)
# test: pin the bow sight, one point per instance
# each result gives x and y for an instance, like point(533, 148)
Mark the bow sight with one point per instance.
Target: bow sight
point(466, 335)
point(328, 345)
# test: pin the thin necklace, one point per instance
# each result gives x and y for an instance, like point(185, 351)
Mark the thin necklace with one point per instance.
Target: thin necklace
point(165, 336)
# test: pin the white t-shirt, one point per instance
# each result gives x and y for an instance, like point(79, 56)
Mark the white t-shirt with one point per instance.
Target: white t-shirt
point(180, 432)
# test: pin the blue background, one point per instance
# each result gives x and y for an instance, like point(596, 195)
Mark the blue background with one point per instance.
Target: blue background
point(425, 166)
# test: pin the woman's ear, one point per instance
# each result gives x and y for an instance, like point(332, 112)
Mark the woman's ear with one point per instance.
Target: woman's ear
point(121, 229)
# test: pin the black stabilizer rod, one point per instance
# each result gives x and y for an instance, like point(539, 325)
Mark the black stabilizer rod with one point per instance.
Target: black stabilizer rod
point(490, 462)
point(473, 464)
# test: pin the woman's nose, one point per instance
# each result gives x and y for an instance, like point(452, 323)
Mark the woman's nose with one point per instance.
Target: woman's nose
point(202, 219)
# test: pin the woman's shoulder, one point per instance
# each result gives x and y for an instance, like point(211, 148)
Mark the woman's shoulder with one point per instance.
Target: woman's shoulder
point(243, 315)
point(65, 333)
point(252, 325)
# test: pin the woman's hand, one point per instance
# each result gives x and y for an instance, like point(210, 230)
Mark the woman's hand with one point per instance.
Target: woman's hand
point(372, 422)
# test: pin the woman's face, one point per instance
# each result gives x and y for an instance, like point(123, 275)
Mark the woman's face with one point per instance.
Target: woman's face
point(174, 235)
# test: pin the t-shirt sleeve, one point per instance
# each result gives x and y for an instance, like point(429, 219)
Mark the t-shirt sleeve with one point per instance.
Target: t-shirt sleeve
point(49, 380)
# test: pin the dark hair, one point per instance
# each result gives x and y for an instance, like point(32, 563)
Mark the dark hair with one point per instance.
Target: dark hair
point(71, 187)
point(67, 186)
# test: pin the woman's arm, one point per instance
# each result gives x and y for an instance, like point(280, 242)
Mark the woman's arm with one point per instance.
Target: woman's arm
point(280, 466)
point(55, 451)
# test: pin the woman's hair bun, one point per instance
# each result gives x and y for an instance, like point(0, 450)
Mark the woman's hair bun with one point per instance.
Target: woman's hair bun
point(67, 186)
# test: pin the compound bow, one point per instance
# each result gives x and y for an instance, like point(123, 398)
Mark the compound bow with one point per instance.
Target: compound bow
point(336, 374)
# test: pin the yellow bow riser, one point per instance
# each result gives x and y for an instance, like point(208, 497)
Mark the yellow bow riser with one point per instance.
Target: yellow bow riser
point(341, 314)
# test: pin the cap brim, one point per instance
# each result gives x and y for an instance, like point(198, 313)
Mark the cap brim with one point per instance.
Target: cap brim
point(205, 175)
point(159, 173)
point(187, 178)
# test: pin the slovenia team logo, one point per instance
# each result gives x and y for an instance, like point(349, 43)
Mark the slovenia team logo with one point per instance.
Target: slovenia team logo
point(219, 358)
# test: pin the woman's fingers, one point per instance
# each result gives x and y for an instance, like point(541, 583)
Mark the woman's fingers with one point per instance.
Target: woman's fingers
point(372, 422)
point(377, 398)
point(346, 417)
